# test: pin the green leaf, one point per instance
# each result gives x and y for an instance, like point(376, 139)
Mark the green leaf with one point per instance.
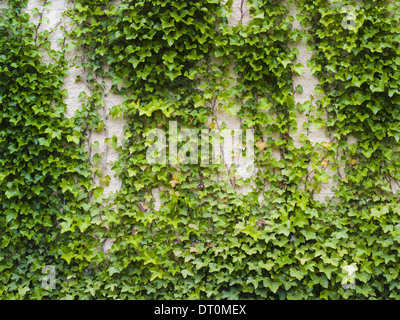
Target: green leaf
point(68, 256)
point(112, 270)
point(113, 142)
point(298, 68)
point(299, 88)
point(186, 272)
point(98, 192)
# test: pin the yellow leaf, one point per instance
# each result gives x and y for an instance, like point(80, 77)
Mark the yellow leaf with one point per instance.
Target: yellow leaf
point(261, 145)
point(173, 183)
point(212, 125)
point(174, 180)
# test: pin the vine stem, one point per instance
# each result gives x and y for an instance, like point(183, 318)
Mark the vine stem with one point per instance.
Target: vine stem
point(86, 125)
point(106, 125)
point(40, 21)
point(242, 12)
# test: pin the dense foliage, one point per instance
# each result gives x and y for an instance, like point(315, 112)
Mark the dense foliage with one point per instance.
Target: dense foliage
point(45, 183)
point(358, 67)
point(181, 61)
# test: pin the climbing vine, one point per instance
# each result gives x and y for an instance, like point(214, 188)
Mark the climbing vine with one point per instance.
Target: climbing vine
point(44, 180)
point(216, 233)
point(166, 71)
point(356, 59)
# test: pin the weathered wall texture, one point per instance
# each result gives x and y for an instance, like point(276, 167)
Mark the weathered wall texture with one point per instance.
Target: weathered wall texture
point(115, 126)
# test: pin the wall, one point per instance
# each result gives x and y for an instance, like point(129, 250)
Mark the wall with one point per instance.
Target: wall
point(55, 18)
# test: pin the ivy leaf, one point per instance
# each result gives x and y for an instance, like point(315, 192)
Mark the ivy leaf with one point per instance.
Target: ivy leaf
point(112, 271)
point(298, 68)
point(186, 272)
point(75, 137)
point(68, 256)
point(98, 192)
point(261, 145)
point(113, 142)
point(299, 89)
